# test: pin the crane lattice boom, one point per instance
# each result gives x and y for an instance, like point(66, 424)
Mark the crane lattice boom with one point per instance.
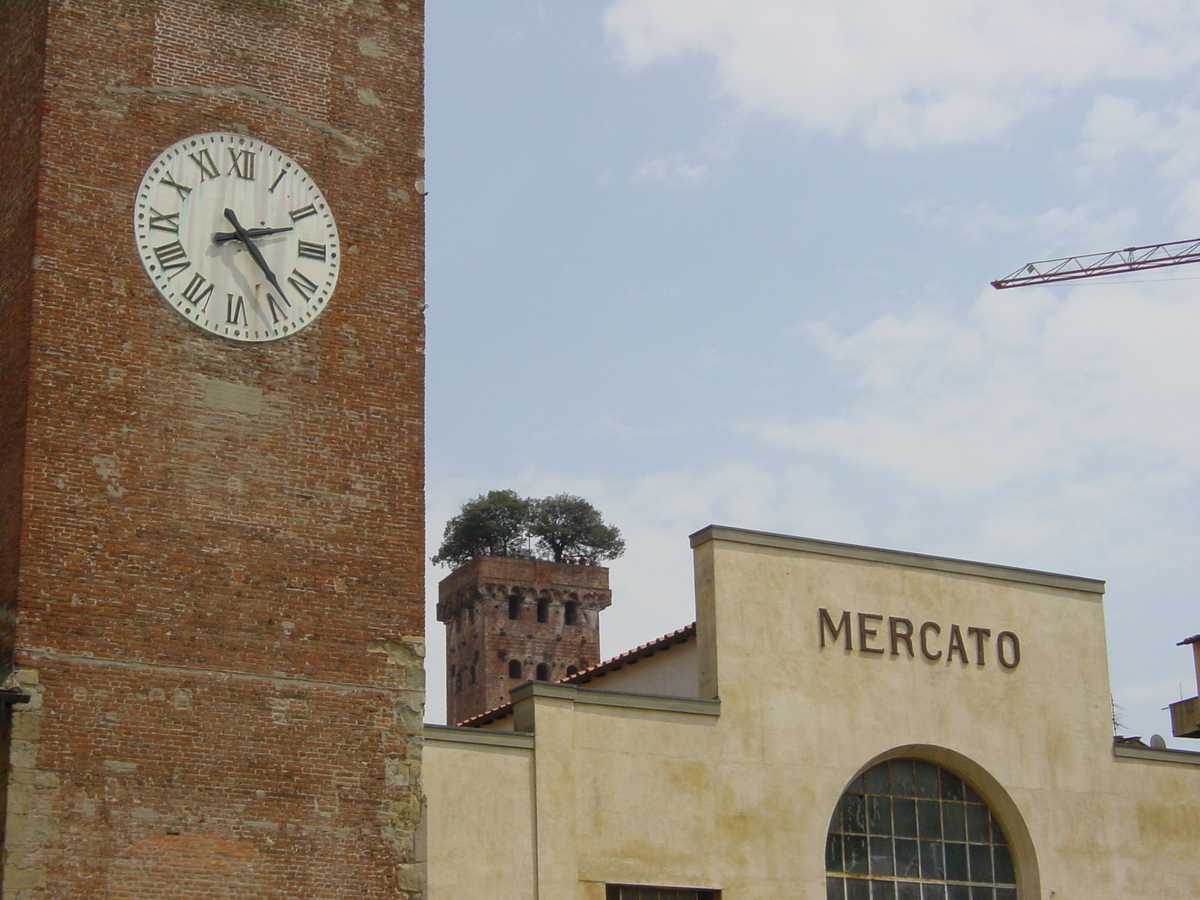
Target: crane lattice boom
point(1132, 259)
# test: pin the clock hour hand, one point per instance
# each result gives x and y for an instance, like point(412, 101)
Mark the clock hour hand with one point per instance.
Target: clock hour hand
point(244, 236)
point(222, 236)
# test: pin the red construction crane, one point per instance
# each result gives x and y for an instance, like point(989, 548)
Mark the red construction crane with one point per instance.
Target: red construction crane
point(1132, 259)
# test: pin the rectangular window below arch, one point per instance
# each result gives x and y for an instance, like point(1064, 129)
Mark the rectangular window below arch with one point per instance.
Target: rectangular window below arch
point(645, 892)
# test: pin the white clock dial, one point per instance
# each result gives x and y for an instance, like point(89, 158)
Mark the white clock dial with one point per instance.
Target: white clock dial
point(236, 237)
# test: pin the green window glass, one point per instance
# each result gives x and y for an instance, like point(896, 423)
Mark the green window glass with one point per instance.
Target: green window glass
point(907, 829)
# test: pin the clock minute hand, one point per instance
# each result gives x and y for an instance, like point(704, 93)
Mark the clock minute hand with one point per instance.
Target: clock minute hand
point(244, 237)
point(222, 236)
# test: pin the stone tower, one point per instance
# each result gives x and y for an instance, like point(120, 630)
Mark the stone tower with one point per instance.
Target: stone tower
point(211, 551)
point(512, 620)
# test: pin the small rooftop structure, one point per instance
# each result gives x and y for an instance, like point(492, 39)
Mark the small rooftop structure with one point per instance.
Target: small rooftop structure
point(1185, 714)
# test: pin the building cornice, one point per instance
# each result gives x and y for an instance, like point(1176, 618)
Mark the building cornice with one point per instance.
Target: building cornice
point(458, 734)
point(949, 565)
point(618, 699)
point(1150, 754)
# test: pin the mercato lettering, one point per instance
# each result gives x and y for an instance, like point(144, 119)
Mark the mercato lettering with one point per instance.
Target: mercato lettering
point(902, 636)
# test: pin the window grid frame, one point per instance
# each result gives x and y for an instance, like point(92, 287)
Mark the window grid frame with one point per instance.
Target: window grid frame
point(928, 812)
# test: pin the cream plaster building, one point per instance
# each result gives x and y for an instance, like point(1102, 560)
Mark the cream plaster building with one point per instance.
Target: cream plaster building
point(842, 722)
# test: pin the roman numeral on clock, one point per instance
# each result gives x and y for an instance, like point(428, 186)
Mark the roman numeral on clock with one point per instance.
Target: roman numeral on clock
point(172, 257)
point(164, 221)
point(302, 284)
point(235, 310)
point(278, 178)
point(277, 311)
point(203, 159)
point(197, 289)
point(303, 212)
point(309, 250)
point(243, 164)
point(170, 181)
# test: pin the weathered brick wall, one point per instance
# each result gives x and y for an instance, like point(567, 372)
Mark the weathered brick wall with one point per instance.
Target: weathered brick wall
point(150, 784)
point(22, 48)
point(220, 589)
point(481, 639)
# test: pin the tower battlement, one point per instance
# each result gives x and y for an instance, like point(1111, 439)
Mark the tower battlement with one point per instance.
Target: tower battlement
point(510, 620)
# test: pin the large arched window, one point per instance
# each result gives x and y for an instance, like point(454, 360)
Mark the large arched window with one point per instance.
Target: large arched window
point(907, 829)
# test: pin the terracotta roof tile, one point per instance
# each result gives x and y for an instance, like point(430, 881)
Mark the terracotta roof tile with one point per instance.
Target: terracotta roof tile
point(663, 644)
point(1132, 740)
point(487, 717)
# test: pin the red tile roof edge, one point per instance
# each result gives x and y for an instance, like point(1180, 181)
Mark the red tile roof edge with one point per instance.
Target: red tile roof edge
point(484, 718)
point(679, 636)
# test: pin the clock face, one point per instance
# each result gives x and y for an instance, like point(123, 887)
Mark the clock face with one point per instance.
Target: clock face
point(236, 237)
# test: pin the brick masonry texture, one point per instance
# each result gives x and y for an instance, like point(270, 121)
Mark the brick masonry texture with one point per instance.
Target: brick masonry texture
point(219, 596)
point(475, 601)
point(22, 42)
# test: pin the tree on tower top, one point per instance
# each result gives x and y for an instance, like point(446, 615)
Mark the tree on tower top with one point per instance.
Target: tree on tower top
point(493, 524)
point(562, 528)
point(566, 526)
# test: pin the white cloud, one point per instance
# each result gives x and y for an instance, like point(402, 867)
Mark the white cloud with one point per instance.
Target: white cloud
point(1117, 127)
point(670, 168)
point(919, 73)
point(1062, 230)
point(1120, 512)
point(1120, 135)
point(1025, 386)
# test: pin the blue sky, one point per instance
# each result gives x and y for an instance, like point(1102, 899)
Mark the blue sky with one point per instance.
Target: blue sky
point(705, 261)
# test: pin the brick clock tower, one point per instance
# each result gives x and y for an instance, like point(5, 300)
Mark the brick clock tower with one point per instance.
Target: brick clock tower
point(512, 620)
point(211, 538)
